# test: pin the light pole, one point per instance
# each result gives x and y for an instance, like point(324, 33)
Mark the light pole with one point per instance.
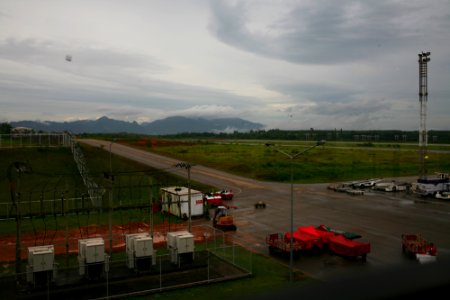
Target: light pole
point(291, 239)
point(188, 167)
point(110, 155)
point(111, 177)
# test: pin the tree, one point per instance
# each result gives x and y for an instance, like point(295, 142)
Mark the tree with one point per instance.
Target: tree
point(5, 128)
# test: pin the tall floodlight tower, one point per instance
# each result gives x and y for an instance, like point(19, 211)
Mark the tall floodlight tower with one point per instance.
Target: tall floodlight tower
point(424, 58)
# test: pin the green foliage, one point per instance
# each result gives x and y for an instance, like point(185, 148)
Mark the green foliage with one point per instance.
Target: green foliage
point(336, 135)
point(5, 128)
point(53, 173)
point(269, 276)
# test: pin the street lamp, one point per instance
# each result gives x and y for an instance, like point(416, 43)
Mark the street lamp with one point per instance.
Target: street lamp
point(188, 167)
point(291, 240)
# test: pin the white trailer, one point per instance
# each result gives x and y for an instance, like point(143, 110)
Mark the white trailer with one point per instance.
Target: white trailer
point(391, 186)
point(175, 200)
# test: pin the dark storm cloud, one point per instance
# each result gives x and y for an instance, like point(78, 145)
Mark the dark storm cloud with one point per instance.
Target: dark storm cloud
point(325, 32)
point(328, 101)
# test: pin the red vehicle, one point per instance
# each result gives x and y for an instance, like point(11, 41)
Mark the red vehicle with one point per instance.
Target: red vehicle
point(320, 237)
point(301, 240)
point(212, 200)
point(343, 246)
point(225, 194)
point(306, 240)
point(415, 245)
point(278, 244)
point(323, 235)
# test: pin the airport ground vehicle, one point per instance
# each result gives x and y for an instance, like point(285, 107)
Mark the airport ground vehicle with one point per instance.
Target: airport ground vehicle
point(260, 204)
point(222, 219)
point(418, 247)
point(278, 244)
point(225, 194)
point(432, 186)
point(346, 247)
point(320, 238)
point(212, 200)
point(391, 186)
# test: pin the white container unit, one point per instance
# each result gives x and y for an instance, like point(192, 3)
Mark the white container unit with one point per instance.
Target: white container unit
point(91, 257)
point(181, 246)
point(175, 200)
point(40, 266)
point(139, 247)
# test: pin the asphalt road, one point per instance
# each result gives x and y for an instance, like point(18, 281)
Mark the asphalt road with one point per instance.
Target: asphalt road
point(379, 217)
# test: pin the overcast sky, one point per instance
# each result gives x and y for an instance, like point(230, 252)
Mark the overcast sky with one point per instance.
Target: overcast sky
point(286, 64)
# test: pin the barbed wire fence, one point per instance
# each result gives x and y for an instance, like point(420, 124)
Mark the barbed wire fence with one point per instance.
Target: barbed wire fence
point(94, 190)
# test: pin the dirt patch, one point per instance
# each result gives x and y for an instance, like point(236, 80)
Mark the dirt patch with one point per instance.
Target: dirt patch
point(66, 241)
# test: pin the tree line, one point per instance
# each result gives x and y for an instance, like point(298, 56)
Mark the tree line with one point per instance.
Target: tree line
point(397, 136)
point(390, 136)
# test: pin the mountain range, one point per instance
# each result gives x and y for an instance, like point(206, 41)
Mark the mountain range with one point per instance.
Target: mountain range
point(170, 125)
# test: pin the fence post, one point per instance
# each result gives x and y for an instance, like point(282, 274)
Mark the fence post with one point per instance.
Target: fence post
point(160, 273)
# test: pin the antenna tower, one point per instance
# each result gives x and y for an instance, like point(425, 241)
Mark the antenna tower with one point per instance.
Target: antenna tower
point(424, 58)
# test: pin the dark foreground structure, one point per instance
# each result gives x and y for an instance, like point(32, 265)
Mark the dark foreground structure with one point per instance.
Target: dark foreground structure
point(121, 282)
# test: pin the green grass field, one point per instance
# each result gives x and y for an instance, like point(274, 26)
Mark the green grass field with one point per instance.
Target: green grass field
point(331, 162)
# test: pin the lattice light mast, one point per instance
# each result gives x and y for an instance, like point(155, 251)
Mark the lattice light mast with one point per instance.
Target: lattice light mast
point(424, 58)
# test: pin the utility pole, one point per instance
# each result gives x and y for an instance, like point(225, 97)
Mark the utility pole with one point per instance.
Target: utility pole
point(111, 190)
point(188, 167)
point(14, 183)
point(291, 239)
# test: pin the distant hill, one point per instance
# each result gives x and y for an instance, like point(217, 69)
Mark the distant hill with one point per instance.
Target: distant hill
point(170, 125)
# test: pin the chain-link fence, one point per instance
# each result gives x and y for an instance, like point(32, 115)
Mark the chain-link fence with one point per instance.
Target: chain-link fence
point(215, 257)
point(34, 140)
